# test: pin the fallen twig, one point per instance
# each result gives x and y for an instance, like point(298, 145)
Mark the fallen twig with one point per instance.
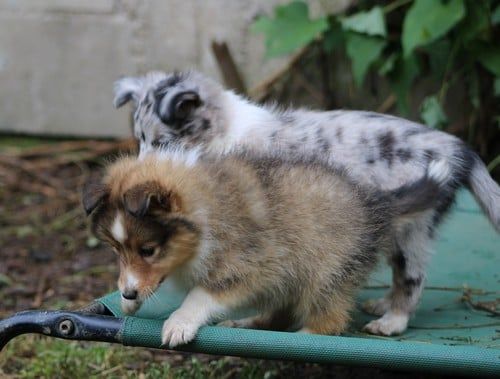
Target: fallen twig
point(99, 148)
point(487, 306)
point(27, 168)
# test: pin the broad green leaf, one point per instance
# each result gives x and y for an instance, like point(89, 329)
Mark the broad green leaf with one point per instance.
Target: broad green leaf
point(489, 56)
point(290, 29)
point(439, 54)
point(401, 78)
point(388, 64)
point(496, 86)
point(495, 16)
point(371, 22)
point(427, 20)
point(363, 51)
point(432, 113)
point(475, 22)
point(333, 37)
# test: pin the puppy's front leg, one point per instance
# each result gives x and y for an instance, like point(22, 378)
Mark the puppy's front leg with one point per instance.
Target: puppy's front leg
point(198, 309)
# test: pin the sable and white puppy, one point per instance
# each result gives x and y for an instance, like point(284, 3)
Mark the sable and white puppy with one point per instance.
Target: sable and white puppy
point(294, 239)
point(381, 151)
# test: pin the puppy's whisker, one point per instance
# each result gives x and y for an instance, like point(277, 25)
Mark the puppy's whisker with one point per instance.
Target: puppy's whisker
point(152, 296)
point(156, 299)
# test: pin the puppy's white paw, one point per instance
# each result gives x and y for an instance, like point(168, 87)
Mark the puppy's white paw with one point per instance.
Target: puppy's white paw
point(178, 330)
point(376, 307)
point(388, 325)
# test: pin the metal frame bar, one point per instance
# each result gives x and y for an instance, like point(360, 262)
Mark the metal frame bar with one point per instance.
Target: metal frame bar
point(82, 325)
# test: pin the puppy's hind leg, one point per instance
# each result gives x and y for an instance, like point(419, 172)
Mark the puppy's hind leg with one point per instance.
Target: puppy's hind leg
point(277, 320)
point(408, 266)
point(254, 322)
point(331, 319)
point(378, 307)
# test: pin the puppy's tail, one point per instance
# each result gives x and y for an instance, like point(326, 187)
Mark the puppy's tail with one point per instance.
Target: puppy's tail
point(485, 190)
point(424, 193)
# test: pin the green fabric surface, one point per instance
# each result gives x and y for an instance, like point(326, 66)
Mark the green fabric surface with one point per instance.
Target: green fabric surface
point(445, 335)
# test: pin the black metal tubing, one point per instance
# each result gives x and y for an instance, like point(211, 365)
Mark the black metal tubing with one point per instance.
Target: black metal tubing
point(62, 324)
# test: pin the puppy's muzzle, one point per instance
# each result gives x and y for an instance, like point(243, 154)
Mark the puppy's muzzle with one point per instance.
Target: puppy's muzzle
point(130, 294)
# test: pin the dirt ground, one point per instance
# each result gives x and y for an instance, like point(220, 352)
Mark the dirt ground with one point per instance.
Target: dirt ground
point(48, 260)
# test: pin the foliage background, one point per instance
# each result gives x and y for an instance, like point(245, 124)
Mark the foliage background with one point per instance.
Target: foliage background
point(438, 61)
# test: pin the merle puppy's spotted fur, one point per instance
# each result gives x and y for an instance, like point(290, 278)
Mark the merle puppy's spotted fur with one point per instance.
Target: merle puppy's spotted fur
point(381, 151)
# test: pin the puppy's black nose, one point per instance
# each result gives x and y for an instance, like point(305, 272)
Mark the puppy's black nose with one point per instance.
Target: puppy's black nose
point(129, 294)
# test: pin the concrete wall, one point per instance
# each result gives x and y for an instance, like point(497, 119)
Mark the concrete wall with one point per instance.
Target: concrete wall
point(59, 58)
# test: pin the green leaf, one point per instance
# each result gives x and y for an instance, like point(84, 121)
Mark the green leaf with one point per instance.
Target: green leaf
point(333, 37)
point(388, 64)
point(363, 51)
point(290, 29)
point(495, 16)
point(476, 21)
point(496, 86)
point(439, 54)
point(489, 57)
point(371, 22)
point(427, 20)
point(401, 78)
point(432, 113)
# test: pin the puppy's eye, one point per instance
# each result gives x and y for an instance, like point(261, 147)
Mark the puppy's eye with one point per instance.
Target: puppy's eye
point(147, 251)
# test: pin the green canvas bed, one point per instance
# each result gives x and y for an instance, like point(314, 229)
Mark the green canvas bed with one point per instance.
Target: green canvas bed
point(456, 329)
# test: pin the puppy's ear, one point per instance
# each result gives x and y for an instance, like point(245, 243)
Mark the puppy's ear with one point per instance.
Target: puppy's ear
point(126, 89)
point(179, 107)
point(149, 197)
point(93, 194)
point(185, 103)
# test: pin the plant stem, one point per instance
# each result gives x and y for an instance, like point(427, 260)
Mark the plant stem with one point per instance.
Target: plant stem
point(449, 63)
point(395, 5)
point(494, 163)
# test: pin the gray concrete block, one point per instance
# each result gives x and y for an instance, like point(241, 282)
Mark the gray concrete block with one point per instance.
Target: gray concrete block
point(72, 6)
point(59, 58)
point(58, 72)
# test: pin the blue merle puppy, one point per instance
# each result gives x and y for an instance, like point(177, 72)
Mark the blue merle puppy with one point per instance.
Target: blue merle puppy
point(381, 151)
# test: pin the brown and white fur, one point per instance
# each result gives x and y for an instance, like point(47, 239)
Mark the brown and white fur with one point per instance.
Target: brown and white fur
point(381, 151)
point(294, 239)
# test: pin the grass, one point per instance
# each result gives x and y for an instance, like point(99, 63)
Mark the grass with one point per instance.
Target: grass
point(41, 357)
point(16, 142)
